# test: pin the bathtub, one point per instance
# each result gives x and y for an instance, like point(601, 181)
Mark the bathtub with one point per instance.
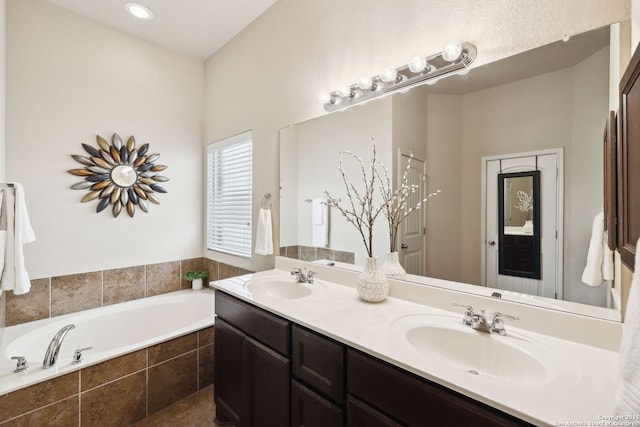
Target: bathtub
point(111, 330)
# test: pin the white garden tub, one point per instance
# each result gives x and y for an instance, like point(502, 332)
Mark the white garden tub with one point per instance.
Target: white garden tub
point(111, 330)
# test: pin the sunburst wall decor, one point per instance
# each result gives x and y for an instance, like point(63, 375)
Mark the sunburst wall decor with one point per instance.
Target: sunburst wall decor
point(119, 175)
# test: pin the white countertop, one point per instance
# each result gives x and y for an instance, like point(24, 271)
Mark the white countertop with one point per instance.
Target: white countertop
point(580, 388)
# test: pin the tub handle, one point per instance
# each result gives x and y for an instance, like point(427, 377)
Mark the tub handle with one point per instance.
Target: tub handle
point(21, 364)
point(77, 355)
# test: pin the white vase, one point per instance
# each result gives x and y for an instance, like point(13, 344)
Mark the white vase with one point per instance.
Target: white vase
point(196, 284)
point(392, 267)
point(373, 285)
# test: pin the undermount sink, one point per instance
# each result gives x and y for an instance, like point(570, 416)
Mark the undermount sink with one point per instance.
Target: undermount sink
point(510, 358)
point(280, 287)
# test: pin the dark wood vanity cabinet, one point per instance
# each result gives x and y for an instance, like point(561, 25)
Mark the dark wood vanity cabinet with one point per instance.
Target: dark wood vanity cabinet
point(318, 384)
point(252, 365)
point(383, 395)
point(270, 372)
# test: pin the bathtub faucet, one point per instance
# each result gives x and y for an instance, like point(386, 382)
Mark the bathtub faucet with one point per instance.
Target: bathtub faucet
point(51, 356)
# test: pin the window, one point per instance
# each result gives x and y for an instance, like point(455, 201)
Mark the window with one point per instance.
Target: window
point(229, 195)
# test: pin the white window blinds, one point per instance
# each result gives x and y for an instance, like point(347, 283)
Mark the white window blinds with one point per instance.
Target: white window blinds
point(229, 195)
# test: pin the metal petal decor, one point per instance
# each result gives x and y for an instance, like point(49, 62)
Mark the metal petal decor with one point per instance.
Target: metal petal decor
point(119, 175)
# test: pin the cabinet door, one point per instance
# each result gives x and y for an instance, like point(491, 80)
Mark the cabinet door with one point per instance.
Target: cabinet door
point(268, 388)
point(229, 374)
point(359, 414)
point(309, 409)
point(319, 363)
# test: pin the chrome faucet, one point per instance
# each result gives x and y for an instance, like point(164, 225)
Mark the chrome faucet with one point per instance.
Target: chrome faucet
point(51, 356)
point(303, 275)
point(479, 321)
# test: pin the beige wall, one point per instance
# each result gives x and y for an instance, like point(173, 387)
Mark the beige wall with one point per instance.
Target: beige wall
point(3, 86)
point(270, 75)
point(69, 79)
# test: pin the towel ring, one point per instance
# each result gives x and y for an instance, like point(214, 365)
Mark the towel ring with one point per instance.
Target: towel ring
point(266, 202)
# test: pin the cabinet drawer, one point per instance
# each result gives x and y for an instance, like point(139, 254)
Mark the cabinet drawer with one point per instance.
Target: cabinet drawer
point(309, 409)
point(359, 414)
point(265, 327)
point(318, 362)
point(415, 401)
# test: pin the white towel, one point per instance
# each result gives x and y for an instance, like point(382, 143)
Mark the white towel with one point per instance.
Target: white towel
point(599, 258)
point(319, 222)
point(628, 399)
point(15, 277)
point(264, 233)
point(3, 232)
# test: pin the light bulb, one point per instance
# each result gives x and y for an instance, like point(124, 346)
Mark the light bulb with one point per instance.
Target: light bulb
point(464, 71)
point(139, 11)
point(566, 37)
point(452, 52)
point(324, 98)
point(432, 82)
point(365, 82)
point(417, 64)
point(388, 74)
point(344, 90)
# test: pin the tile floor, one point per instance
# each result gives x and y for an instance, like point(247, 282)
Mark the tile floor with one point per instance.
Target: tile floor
point(197, 410)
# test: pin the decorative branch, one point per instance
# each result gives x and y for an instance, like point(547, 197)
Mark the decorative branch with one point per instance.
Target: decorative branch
point(395, 202)
point(525, 201)
point(361, 212)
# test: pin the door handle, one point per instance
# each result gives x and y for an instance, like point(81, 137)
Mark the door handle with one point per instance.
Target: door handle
point(491, 242)
point(404, 246)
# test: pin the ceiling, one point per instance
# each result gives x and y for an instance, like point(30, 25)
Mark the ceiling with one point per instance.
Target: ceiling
point(194, 27)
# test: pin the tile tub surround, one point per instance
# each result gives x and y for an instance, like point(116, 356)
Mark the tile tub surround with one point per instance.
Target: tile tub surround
point(117, 392)
point(579, 349)
point(311, 253)
point(54, 296)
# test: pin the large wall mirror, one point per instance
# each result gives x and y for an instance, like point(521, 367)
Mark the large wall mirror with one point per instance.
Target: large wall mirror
point(553, 98)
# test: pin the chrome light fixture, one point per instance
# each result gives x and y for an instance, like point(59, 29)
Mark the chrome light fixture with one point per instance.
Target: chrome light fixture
point(454, 59)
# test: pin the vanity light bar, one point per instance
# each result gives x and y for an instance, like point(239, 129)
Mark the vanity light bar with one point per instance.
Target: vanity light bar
point(427, 70)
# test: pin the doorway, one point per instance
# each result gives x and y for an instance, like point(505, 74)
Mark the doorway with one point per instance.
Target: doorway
point(412, 234)
point(549, 164)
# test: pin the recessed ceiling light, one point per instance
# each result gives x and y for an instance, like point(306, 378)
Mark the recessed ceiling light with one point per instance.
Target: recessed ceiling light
point(139, 11)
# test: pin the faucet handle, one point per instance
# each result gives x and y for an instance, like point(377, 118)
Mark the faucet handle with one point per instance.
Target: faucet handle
point(21, 364)
point(497, 325)
point(468, 314)
point(77, 355)
point(310, 275)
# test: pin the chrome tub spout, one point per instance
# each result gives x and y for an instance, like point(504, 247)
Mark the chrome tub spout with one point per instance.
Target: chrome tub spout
point(51, 356)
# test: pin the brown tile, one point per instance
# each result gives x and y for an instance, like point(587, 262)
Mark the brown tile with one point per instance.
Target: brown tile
point(33, 305)
point(242, 271)
point(193, 264)
point(205, 366)
point(166, 350)
point(163, 278)
point(37, 395)
point(123, 284)
point(206, 336)
point(225, 271)
point(293, 252)
point(110, 370)
point(76, 292)
point(212, 267)
point(346, 257)
point(119, 403)
point(283, 251)
point(172, 381)
point(308, 253)
point(324, 253)
point(63, 413)
point(197, 409)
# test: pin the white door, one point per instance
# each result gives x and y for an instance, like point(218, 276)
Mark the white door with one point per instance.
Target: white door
point(412, 239)
point(550, 166)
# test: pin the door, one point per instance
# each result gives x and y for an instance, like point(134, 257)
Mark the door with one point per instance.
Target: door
point(412, 239)
point(549, 163)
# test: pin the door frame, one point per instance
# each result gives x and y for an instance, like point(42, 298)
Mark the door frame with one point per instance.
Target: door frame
point(559, 153)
